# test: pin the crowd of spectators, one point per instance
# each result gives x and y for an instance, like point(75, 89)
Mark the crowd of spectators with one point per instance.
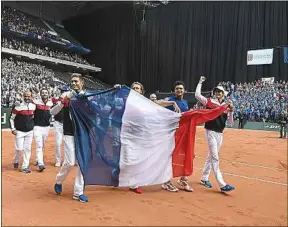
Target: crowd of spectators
point(259, 101)
point(21, 45)
point(19, 76)
point(20, 22)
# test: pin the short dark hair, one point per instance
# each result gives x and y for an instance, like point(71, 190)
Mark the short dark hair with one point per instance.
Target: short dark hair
point(44, 88)
point(78, 75)
point(179, 82)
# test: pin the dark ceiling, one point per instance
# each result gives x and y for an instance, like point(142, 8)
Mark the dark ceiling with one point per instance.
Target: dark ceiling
point(59, 11)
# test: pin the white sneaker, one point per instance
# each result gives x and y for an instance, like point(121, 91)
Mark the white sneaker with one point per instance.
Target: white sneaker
point(185, 185)
point(169, 187)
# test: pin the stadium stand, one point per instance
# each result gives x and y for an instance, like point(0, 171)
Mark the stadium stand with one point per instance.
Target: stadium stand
point(259, 100)
point(22, 71)
point(22, 45)
point(63, 33)
point(22, 22)
point(18, 76)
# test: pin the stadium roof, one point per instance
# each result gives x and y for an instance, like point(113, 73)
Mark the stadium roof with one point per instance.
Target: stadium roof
point(58, 11)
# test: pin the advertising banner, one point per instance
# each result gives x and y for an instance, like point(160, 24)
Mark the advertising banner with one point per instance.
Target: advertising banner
point(260, 57)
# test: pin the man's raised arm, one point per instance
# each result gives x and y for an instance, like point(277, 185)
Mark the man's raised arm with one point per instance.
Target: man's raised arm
point(198, 94)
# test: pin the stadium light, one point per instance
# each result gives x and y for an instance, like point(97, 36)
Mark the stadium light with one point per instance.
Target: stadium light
point(165, 2)
point(151, 4)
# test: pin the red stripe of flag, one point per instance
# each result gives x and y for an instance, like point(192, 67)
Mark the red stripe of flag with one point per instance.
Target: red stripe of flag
point(183, 154)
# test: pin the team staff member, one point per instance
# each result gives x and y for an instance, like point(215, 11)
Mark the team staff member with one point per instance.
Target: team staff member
point(22, 123)
point(58, 129)
point(42, 118)
point(179, 89)
point(241, 118)
point(214, 134)
point(283, 124)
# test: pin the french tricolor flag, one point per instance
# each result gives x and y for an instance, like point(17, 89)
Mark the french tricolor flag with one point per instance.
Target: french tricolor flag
point(123, 139)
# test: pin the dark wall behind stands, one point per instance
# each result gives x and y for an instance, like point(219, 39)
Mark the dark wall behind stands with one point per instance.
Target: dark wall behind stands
point(112, 35)
point(183, 41)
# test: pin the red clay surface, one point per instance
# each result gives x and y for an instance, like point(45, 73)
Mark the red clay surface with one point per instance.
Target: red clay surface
point(30, 200)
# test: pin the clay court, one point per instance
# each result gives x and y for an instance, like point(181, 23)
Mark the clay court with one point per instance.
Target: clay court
point(255, 162)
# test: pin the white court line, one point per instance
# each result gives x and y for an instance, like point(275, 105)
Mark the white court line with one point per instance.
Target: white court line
point(251, 178)
point(247, 164)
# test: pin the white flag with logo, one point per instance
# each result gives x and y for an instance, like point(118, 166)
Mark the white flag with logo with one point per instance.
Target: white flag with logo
point(268, 80)
point(260, 57)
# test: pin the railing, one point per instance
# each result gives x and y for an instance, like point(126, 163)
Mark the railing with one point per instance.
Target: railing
point(49, 59)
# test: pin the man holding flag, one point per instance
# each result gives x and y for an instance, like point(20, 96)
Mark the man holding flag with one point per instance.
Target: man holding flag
point(214, 133)
point(77, 85)
point(179, 89)
point(154, 144)
point(71, 155)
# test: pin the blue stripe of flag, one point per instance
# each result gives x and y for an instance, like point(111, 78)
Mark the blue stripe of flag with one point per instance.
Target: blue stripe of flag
point(97, 122)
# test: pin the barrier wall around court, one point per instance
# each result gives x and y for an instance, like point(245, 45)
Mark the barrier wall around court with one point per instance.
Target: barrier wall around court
point(258, 126)
point(5, 114)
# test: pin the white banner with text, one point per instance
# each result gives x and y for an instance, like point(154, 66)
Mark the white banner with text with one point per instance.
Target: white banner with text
point(260, 57)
